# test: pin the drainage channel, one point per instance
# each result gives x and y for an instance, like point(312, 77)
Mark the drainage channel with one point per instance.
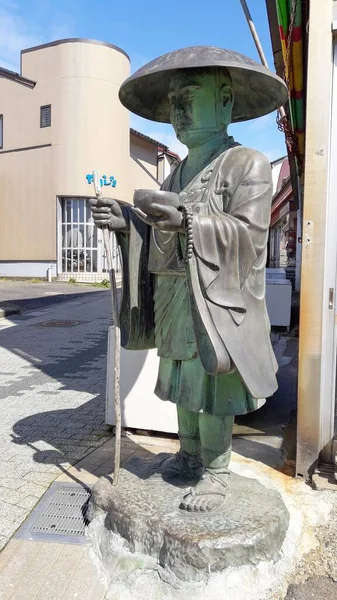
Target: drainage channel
point(60, 516)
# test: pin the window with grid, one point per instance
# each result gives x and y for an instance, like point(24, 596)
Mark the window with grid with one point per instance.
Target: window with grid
point(45, 116)
point(79, 237)
point(116, 257)
point(80, 246)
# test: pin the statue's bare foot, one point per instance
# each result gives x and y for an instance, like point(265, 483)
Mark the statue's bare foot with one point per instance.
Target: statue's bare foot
point(182, 466)
point(208, 494)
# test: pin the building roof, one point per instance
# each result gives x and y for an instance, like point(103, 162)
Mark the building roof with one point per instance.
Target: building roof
point(149, 139)
point(74, 40)
point(273, 162)
point(16, 77)
point(169, 152)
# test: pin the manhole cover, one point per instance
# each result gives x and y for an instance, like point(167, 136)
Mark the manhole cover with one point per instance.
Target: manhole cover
point(59, 323)
point(59, 516)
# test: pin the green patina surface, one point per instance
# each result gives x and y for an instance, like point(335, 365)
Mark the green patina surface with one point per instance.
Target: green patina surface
point(213, 305)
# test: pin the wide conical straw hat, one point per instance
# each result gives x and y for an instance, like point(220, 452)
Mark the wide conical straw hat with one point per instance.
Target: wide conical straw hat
point(257, 91)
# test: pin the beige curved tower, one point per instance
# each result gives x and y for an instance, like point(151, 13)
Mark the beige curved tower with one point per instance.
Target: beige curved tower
point(89, 126)
point(60, 119)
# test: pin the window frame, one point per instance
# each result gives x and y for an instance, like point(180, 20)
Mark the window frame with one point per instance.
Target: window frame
point(2, 132)
point(41, 107)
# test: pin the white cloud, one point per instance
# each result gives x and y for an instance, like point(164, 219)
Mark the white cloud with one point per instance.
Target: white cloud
point(15, 34)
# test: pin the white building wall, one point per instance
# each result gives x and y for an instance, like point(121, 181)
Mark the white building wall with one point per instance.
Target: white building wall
point(275, 171)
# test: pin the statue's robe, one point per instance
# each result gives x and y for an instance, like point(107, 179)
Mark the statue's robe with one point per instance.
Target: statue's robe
point(208, 318)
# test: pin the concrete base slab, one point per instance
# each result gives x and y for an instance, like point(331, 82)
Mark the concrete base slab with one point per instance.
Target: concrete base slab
point(144, 510)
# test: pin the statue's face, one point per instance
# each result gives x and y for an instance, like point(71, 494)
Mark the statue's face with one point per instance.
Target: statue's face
point(199, 107)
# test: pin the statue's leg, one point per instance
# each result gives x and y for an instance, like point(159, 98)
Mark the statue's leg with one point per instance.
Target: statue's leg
point(216, 446)
point(216, 441)
point(189, 435)
point(187, 463)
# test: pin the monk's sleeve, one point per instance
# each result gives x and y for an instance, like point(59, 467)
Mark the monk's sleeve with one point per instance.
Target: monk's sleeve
point(230, 242)
point(136, 314)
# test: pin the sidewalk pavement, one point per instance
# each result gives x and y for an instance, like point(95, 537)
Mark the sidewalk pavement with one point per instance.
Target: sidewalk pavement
point(52, 402)
point(31, 570)
point(52, 392)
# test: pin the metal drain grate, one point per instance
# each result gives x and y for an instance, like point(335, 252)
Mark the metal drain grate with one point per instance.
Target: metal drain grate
point(59, 516)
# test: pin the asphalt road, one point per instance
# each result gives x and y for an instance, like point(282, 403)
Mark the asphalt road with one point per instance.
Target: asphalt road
point(33, 296)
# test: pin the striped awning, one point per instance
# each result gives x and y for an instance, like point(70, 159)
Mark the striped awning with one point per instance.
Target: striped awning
point(290, 21)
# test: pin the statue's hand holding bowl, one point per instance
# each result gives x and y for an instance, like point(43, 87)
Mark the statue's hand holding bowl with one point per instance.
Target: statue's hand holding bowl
point(159, 209)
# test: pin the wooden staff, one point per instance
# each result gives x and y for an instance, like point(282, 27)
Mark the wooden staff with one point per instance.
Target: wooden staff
point(117, 353)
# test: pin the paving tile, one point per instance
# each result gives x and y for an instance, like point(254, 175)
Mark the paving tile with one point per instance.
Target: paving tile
point(8, 527)
point(90, 463)
point(57, 578)
point(26, 573)
point(55, 469)
point(103, 471)
point(7, 554)
point(79, 476)
point(86, 583)
point(143, 453)
point(17, 471)
point(32, 489)
point(99, 591)
point(11, 512)
point(107, 447)
point(12, 483)
point(12, 571)
point(39, 478)
point(11, 496)
point(3, 541)
point(28, 502)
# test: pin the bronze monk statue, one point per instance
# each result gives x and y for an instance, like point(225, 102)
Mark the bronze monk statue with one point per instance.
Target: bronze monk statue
point(194, 257)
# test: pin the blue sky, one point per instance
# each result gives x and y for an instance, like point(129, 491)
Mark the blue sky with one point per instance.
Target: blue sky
point(145, 29)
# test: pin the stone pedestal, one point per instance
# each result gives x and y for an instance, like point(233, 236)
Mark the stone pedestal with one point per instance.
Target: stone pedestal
point(144, 510)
